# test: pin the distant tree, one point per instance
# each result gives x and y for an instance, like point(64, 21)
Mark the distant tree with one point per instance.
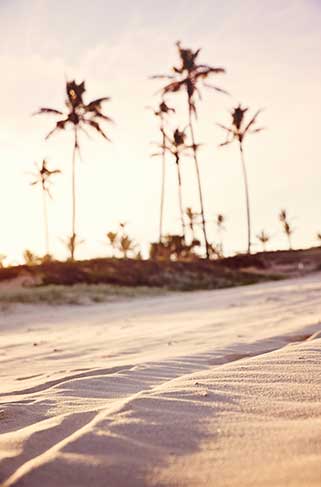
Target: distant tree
point(126, 245)
point(319, 237)
point(220, 220)
point(192, 218)
point(174, 247)
point(287, 227)
point(71, 243)
point(187, 78)
point(30, 258)
point(122, 243)
point(238, 130)
point(112, 240)
point(162, 112)
point(79, 116)
point(2, 260)
point(216, 251)
point(264, 238)
point(176, 146)
point(43, 177)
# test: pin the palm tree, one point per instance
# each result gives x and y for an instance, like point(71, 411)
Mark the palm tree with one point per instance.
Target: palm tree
point(71, 243)
point(112, 239)
point(161, 112)
point(126, 245)
point(287, 227)
point(192, 217)
point(319, 237)
point(176, 146)
point(238, 130)
point(43, 176)
point(264, 238)
point(220, 220)
point(187, 78)
point(79, 116)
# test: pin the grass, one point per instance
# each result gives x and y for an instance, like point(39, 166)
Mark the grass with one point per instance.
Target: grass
point(76, 294)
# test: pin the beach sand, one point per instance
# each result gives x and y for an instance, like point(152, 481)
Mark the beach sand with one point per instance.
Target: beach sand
point(210, 388)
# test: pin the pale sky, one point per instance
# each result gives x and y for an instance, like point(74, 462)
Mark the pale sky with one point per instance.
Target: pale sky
point(271, 51)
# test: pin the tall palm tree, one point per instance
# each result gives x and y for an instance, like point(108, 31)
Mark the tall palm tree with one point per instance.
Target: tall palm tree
point(287, 227)
point(43, 176)
point(176, 146)
point(187, 78)
point(264, 238)
point(238, 130)
point(161, 112)
point(79, 116)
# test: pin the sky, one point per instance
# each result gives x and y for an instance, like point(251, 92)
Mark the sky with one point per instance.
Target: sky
point(271, 52)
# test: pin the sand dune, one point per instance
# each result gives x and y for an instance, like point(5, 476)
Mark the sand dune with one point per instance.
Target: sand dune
point(207, 388)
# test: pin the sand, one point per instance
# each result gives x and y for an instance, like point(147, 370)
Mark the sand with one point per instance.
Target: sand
point(215, 388)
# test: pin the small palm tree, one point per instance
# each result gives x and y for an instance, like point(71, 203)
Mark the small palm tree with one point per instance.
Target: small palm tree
point(30, 258)
point(220, 220)
point(319, 237)
point(187, 78)
point(126, 245)
point(192, 218)
point(287, 227)
point(112, 240)
point(43, 176)
point(238, 131)
point(79, 116)
point(264, 238)
point(162, 111)
point(176, 146)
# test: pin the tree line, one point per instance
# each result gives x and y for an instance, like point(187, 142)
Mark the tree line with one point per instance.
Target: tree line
point(188, 77)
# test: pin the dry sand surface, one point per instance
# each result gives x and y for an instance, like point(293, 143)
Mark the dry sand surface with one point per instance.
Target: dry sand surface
point(214, 388)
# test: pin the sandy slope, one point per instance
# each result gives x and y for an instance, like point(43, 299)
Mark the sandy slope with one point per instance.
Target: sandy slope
point(152, 392)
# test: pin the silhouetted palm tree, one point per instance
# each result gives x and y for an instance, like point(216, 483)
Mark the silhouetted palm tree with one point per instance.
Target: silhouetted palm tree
point(287, 227)
point(187, 78)
point(112, 239)
point(71, 243)
point(43, 176)
point(319, 237)
point(238, 130)
point(161, 112)
point(264, 238)
point(176, 146)
point(79, 115)
point(192, 217)
point(220, 220)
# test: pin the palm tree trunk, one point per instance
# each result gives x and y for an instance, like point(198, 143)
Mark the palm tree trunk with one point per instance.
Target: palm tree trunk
point(190, 123)
point(162, 187)
point(73, 192)
point(290, 242)
point(180, 197)
point(45, 222)
point(246, 186)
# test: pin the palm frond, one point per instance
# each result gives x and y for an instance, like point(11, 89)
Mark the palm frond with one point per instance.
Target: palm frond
point(93, 105)
point(60, 125)
point(225, 128)
point(97, 127)
point(216, 88)
point(252, 121)
point(225, 143)
point(47, 111)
